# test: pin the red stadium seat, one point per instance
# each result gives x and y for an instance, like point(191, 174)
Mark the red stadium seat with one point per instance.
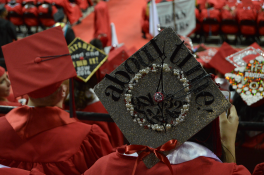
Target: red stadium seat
point(45, 14)
point(260, 23)
point(247, 20)
point(30, 15)
point(211, 20)
point(15, 14)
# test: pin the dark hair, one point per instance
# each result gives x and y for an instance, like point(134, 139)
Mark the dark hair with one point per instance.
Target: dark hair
point(97, 43)
point(246, 113)
point(206, 138)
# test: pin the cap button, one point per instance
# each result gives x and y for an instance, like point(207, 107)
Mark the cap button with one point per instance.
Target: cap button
point(37, 60)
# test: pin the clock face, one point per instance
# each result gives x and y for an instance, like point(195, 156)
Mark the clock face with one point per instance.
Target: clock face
point(161, 93)
point(162, 107)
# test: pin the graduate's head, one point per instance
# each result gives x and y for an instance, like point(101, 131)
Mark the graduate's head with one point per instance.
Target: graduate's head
point(210, 3)
point(3, 11)
point(60, 17)
point(44, 63)
point(4, 84)
point(55, 99)
point(97, 43)
point(96, 1)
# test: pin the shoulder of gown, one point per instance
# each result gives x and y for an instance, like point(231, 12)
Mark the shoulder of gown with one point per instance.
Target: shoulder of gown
point(119, 164)
point(68, 149)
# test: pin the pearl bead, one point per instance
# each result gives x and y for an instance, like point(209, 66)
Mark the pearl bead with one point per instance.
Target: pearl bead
point(144, 120)
point(168, 126)
point(239, 90)
point(140, 124)
point(134, 120)
point(186, 89)
point(132, 112)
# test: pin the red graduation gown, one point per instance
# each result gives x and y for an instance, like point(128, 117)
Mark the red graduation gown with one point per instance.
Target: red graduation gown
point(118, 164)
point(9, 103)
point(46, 138)
point(259, 169)
point(72, 11)
point(114, 134)
point(83, 4)
point(256, 142)
point(102, 21)
point(17, 171)
point(145, 19)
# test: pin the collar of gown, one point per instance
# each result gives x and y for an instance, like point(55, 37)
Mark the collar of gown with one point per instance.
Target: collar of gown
point(186, 152)
point(29, 121)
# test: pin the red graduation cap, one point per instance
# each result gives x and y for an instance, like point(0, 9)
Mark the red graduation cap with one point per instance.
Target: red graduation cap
point(219, 62)
point(205, 56)
point(115, 58)
point(38, 64)
point(2, 71)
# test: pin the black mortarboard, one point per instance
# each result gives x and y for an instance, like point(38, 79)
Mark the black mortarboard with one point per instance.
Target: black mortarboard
point(161, 93)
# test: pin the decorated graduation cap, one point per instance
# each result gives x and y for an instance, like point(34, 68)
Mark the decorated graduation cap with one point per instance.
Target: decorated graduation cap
point(248, 81)
point(161, 93)
point(241, 58)
point(39, 63)
point(86, 58)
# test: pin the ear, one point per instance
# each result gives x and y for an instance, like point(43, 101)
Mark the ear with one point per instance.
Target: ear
point(63, 90)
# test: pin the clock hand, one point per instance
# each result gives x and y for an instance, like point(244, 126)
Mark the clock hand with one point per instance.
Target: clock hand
point(191, 90)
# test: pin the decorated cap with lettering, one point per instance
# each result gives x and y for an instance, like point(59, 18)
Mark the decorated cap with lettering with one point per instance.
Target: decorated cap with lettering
point(86, 58)
point(241, 58)
point(248, 81)
point(161, 93)
point(39, 63)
